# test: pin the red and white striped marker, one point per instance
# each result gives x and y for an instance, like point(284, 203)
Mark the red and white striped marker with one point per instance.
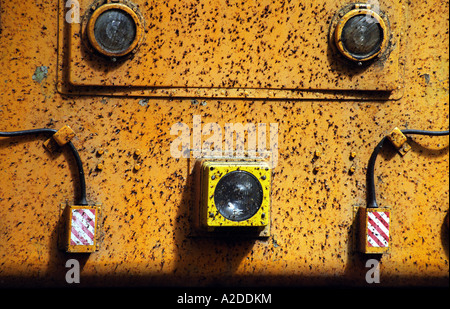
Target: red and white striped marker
point(378, 229)
point(83, 227)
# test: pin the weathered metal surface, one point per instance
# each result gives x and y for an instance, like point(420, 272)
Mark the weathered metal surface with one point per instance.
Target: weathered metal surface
point(146, 226)
point(230, 49)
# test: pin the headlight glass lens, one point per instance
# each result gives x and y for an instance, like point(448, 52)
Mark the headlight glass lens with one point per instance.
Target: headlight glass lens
point(238, 195)
point(115, 31)
point(362, 36)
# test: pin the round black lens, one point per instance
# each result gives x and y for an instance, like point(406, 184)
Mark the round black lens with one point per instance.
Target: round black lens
point(362, 36)
point(115, 31)
point(238, 196)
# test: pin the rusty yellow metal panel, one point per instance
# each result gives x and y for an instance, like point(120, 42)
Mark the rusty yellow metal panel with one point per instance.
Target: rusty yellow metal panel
point(64, 135)
point(228, 48)
point(221, 63)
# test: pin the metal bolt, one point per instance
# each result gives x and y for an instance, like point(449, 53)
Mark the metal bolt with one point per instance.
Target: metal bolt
point(137, 167)
point(352, 155)
point(317, 154)
point(213, 177)
point(100, 166)
point(100, 151)
point(137, 152)
point(352, 169)
point(263, 177)
point(316, 169)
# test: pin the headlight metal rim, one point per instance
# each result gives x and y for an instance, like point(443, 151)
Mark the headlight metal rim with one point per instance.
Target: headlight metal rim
point(356, 11)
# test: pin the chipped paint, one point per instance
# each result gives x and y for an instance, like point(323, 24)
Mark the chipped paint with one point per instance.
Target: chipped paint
point(40, 73)
point(143, 102)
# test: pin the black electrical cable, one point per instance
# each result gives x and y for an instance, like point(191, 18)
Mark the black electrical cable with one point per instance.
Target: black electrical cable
point(27, 132)
point(421, 132)
point(82, 199)
point(370, 176)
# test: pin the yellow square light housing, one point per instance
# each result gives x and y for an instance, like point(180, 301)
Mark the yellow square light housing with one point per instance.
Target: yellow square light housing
point(235, 194)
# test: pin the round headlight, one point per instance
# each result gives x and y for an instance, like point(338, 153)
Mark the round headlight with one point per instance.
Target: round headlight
point(361, 35)
point(114, 29)
point(238, 196)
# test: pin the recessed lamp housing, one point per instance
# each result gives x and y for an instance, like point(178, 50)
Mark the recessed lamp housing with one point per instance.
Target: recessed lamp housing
point(234, 194)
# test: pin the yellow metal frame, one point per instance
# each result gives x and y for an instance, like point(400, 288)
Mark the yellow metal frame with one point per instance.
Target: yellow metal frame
point(212, 172)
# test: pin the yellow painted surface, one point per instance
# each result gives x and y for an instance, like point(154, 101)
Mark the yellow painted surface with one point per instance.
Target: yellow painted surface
point(271, 63)
point(356, 10)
